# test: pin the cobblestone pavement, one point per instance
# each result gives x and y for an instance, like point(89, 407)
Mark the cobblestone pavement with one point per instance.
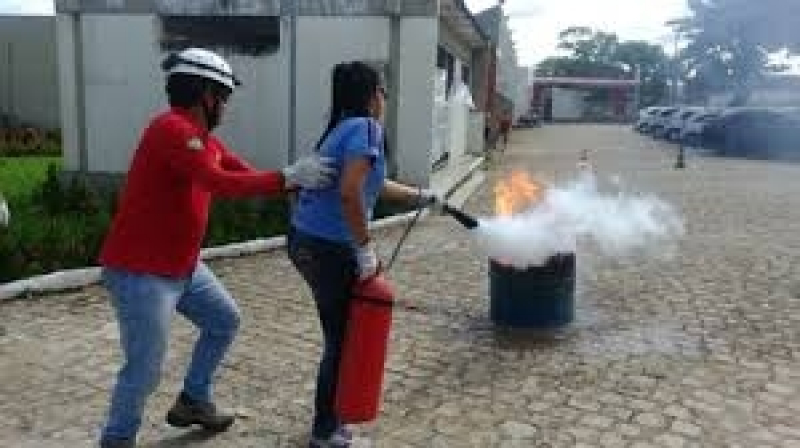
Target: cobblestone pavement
point(702, 350)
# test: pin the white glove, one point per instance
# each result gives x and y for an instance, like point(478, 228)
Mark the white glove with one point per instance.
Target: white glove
point(430, 199)
point(5, 215)
point(367, 261)
point(311, 172)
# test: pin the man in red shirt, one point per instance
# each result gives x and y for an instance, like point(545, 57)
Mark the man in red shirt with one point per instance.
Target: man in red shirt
point(150, 256)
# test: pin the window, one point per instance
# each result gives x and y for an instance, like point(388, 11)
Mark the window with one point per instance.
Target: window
point(445, 60)
point(251, 35)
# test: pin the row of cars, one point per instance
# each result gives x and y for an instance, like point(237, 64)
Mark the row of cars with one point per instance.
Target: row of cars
point(757, 132)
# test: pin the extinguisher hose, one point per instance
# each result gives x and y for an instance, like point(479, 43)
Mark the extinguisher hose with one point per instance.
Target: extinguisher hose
point(404, 237)
point(404, 304)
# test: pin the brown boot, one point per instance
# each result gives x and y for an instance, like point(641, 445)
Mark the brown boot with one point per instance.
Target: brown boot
point(187, 412)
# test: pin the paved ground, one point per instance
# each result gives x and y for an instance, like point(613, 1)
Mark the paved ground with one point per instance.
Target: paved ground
point(703, 350)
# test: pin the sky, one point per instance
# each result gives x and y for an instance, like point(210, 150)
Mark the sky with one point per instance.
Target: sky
point(535, 24)
point(26, 6)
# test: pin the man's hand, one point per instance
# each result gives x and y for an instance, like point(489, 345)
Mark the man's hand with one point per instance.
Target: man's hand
point(430, 199)
point(367, 261)
point(5, 215)
point(310, 172)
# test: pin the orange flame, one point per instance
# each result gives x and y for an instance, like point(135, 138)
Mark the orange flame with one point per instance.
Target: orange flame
point(516, 193)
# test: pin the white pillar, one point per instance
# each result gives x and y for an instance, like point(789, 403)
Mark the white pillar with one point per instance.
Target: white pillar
point(419, 37)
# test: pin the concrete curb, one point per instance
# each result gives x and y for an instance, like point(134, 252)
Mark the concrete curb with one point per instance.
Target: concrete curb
point(79, 278)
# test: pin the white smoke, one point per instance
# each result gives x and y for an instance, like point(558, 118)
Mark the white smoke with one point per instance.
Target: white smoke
point(618, 225)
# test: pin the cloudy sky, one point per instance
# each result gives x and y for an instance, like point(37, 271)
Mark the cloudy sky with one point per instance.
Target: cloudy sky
point(26, 6)
point(536, 23)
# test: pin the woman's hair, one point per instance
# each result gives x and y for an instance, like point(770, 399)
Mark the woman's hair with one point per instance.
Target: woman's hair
point(353, 85)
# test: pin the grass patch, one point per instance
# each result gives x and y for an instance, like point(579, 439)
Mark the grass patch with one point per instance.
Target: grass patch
point(21, 176)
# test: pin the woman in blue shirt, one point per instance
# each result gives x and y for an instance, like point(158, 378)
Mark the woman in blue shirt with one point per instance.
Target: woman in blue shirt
point(329, 242)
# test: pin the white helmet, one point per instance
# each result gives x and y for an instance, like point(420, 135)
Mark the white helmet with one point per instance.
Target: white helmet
point(203, 63)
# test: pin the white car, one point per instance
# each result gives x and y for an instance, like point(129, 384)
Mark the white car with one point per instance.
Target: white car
point(692, 131)
point(658, 127)
point(646, 117)
point(678, 120)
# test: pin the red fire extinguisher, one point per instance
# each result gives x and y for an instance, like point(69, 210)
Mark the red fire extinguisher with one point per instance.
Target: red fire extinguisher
point(360, 382)
point(358, 392)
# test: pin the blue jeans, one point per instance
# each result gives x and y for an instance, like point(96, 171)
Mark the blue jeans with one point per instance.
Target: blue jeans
point(144, 306)
point(329, 268)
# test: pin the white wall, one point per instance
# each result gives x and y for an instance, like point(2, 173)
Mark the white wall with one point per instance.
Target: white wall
point(522, 101)
point(123, 93)
point(351, 38)
point(567, 104)
point(28, 70)
point(257, 120)
point(322, 43)
point(68, 93)
point(418, 39)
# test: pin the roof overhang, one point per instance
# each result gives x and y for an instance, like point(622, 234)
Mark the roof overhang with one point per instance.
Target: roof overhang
point(456, 14)
point(584, 82)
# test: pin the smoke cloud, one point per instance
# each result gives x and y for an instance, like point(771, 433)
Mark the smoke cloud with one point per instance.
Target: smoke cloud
point(616, 224)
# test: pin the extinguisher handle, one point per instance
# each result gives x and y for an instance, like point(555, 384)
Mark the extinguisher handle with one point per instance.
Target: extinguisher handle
point(377, 273)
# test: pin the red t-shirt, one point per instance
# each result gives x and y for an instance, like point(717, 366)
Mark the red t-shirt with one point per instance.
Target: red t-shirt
point(163, 210)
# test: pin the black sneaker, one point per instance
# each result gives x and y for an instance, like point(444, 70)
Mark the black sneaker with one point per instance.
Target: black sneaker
point(187, 412)
point(110, 442)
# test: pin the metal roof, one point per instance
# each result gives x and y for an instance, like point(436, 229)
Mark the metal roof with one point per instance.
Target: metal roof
point(456, 13)
point(586, 82)
point(489, 21)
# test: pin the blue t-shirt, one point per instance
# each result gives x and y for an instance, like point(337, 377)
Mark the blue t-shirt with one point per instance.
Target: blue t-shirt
point(319, 212)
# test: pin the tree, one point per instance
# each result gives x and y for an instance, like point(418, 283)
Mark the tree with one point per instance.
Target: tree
point(599, 54)
point(730, 41)
point(653, 66)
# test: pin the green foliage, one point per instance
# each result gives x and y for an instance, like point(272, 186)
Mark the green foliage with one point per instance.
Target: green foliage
point(20, 176)
point(235, 220)
point(57, 224)
point(729, 42)
point(51, 228)
point(597, 54)
point(61, 225)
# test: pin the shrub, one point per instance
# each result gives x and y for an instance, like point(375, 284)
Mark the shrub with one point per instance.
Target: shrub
point(62, 225)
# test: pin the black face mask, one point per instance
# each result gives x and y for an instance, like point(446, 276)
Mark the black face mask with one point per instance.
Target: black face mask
point(213, 112)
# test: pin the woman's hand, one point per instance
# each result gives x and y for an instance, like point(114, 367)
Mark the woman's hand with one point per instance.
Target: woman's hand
point(367, 261)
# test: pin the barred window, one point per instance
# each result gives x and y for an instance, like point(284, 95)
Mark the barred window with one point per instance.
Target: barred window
point(251, 35)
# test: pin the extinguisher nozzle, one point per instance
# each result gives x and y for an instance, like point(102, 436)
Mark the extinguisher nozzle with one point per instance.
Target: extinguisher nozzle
point(463, 218)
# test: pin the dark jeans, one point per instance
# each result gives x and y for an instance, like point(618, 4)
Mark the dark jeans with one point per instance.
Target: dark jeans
point(329, 268)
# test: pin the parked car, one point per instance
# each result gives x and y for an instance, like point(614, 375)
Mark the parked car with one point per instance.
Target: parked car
point(646, 117)
point(659, 123)
point(756, 133)
point(692, 132)
point(678, 120)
